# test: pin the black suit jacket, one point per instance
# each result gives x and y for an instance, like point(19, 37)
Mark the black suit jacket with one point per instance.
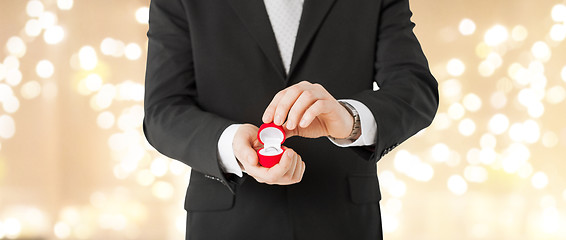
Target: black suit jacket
point(212, 63)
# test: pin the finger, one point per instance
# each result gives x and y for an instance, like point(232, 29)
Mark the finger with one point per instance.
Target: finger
point(286, 102)
point(316, 109)
point(293, 164)
point(276, 172)
point(303, 102)
point(296, 169)
point(270, 110)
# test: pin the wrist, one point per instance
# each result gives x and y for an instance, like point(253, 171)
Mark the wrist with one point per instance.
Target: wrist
point(353, 123)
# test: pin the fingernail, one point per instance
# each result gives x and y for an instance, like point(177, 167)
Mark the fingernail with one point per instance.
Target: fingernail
point(277, 119)
point(303, 123)
point(290, 125)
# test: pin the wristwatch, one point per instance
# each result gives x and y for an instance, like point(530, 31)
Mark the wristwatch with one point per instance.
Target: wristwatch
point(356, 128)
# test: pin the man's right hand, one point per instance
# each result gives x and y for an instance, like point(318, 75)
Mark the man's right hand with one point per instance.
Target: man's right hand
point(289, 170)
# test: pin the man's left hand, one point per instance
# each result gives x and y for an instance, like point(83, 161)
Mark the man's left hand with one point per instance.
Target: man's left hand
point(308, 110)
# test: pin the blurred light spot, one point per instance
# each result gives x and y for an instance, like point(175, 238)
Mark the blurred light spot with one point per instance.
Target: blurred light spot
point(12, 228)
point(496, 35)
point(442, 121)
point(467, 127)
point(145, 177)
point(494, 59)
point(93, 82)
point(105, 120)
point(142, 15)
point(47, 19)
point(482, 50)
point(390, 223)
point(120, 172)
point(550, 139)
point(34, 8)
point(564, 194)
point(87, 58)
point(181, 224)
point(515, 157)
point(159, 166)
point(488, 141)
point(393, 206)
point(177, 167)
point(519, 33)
point(13, 77)
point(475, 174)
point(467, 27)
point(162, 190)
point(7, 127)
point(44, 69)
point(452, 90)
point(100, 101)
point(556, 95)
point(53, 34)
point(486, 69)
point(472, 102)
point(514, 70)
point(488, 156)
point(455, 67)
point(65, 4)
point(525, 171)
point(498, 124)
point(558, 32)
point(456, 111)
point(457, 185)
point(539, 180)
point(129, 90)
point(559, 13)
point(531, 131)
point(536, 109)
point(33, 28)
point(16, 46)
point(398, 189)
point(11, 63)
point(473, 156)
point(11, 104)
point(62, 230)
point(133, 51)
point(551, 220)
point(440, 152)
point(541, 51)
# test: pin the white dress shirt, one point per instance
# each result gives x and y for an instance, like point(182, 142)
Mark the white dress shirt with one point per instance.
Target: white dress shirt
point(286, 42)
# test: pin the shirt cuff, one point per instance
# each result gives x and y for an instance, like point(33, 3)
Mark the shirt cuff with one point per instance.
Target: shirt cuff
point(368, 127)
point(227, 160)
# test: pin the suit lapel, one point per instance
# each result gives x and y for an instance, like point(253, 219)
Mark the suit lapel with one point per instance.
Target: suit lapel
point(254, 16)
point(314, 12)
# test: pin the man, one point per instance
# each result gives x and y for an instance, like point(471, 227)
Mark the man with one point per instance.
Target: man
point(217, 69)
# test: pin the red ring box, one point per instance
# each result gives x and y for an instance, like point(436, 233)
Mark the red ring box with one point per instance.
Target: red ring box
point(271, 136)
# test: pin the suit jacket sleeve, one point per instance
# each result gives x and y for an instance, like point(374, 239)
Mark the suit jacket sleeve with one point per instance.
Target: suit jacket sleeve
point(408, 96)
point(174, 123)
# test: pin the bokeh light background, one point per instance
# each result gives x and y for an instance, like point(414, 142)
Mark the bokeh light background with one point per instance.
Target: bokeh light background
point(74, 163)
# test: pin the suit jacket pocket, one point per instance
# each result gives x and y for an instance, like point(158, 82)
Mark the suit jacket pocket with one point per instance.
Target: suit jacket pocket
point(364, 189)
point(206, 194)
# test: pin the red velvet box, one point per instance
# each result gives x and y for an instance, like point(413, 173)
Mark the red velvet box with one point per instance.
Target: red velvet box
point(272, 137)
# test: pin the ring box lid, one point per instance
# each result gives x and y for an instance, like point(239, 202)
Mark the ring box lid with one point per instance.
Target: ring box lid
point(271, 136)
